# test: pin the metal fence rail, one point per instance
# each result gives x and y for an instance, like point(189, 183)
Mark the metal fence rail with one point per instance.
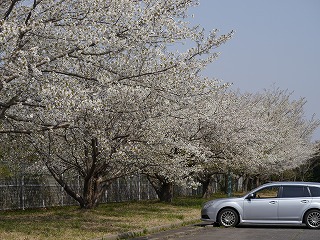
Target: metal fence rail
point(42, 191)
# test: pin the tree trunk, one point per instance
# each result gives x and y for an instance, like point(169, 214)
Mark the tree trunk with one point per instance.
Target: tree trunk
point(245, 184)
point(92, 193)
point(257, 181)
point(93, 186)
point(163, 188)
point(207, 189)
point(165, 192)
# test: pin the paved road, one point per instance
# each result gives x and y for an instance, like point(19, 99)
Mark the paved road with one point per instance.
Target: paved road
point(209, 232)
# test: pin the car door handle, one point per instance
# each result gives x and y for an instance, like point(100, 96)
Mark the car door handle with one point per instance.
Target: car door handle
point(304, 201)
point(272, 202)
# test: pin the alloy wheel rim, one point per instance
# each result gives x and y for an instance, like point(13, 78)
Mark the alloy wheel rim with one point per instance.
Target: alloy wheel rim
point(314, 219)
point(228, 218)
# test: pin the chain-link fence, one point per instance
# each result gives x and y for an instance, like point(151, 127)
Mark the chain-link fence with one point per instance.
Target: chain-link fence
point(31, 192)
point(42, 191)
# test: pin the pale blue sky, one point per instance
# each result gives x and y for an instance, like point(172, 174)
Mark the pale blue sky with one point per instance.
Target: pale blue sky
point(275, 42)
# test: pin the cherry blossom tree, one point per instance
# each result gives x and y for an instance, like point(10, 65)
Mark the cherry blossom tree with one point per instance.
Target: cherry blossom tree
point(82, 79)
point(254, 135)
point(100, 91)
point(289, 144)
point(172, 148)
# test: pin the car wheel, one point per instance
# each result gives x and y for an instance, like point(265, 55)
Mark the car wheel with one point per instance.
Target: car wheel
point(228, 218)
point(312, 219)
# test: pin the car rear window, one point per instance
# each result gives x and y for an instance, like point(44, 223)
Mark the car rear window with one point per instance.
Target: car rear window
point(315, 191)
point(295, 191)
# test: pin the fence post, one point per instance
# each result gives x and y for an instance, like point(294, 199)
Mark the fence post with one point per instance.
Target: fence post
point(62, 194)
point(22, 192)
point(229, 184)
point(118, 190)
point(139, 187)
point(43, 193)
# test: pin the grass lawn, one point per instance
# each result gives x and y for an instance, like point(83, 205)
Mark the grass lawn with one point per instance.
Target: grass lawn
point(73, 223)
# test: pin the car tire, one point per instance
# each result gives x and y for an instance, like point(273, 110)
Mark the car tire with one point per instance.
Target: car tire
point(228, 218)
point(312, 219)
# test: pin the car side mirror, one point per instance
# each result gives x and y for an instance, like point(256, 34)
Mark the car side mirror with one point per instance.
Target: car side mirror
point(250, 196)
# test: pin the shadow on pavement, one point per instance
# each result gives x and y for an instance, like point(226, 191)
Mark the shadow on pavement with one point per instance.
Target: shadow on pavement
point(282, 226)
point(247, 225)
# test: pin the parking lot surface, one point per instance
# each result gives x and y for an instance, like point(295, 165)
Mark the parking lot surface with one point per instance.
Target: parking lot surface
point(254, 232)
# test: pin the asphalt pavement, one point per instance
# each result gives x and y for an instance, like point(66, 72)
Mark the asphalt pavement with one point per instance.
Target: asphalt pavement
point(205, 231)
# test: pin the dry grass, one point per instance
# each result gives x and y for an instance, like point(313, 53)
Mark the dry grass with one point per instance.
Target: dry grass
point(112, 218)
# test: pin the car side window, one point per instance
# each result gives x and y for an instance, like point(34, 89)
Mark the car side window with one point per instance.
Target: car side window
point(268, 192)
point(315, 191)
point(295, 191)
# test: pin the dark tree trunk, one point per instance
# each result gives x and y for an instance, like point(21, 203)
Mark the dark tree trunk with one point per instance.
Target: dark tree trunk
point(245, 184)
point(257, 181)
point(207, 189)
point(65, 186)
point(92, 193)
point(163, 188)
point(93, 186)
point(165, 193)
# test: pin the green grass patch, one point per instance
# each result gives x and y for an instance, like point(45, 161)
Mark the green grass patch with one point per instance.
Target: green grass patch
point(112, 218)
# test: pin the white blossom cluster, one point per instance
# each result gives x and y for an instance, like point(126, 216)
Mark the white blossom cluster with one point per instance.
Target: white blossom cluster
point(97, 89)
point(256, 134)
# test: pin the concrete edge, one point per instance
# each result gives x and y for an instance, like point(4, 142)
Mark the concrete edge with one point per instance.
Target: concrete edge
point(146, 231)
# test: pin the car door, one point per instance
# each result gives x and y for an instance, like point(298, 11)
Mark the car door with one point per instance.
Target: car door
point(263, 206)
point(293, 202)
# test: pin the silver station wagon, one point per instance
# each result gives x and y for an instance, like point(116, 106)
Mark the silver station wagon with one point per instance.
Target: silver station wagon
point(271, 203)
